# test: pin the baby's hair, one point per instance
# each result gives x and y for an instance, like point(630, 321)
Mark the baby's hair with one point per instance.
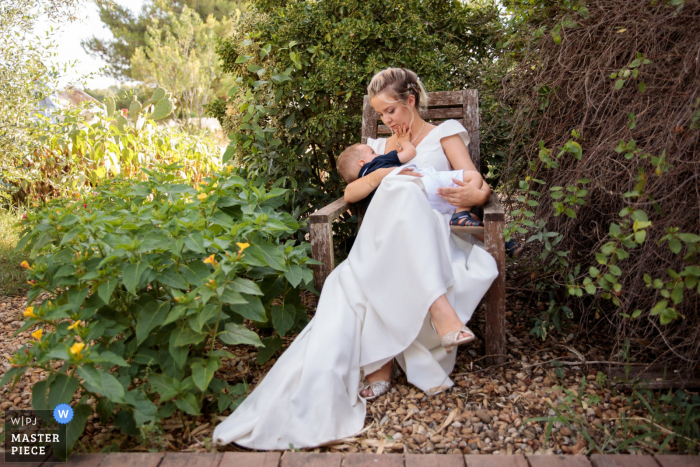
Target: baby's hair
point(347, 163)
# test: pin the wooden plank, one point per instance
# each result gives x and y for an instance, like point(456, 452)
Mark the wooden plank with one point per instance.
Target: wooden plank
point(321, 236)
point(495, 329)
point(330, 212)
point(475, 460)
point(622, 460)
point(676, 460)
point(654, 377)
point(435, 460)
point(470, 120)
point(543, 460)
point(86, 460)
point(251, 459)
point(191, 459)
point(475, 229)
point(369, 120)
point(445, 98)
point(493, 209)
point(138, 459)
point(373, 460)
point(311, 459)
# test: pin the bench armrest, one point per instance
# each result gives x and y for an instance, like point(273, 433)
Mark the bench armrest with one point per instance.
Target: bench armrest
point(329, 213)
point(493, 209)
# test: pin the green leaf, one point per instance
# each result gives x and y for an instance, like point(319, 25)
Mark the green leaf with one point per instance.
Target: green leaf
point(636, 313)
point(570, 212)
point(74, 429)
point(166, 387)
point(102, 382)
point(132, 275)
point(150, 316)
point(104, 291)
point(615, 270)
point(62, 389)
point(202, 375)
point(642, 87)
point(173, 279)
point(246, 286)
point(269, 254)
point(674, 245)
point(11, 374)
point(39, 391)
point(235, 334)
point(591, 289)
point(189, 336)
point(272, 345)
point(283, 318)
point(659, 307)
point(253, 310)
point(195, 242)
point(619, 83)
point(677, 294)
point(294, 274)
point(187, 402)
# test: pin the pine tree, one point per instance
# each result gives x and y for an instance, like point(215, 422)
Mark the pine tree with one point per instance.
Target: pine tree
point(129, 30)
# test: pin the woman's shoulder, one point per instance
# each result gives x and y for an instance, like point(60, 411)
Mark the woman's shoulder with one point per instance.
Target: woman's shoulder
point(453, 127)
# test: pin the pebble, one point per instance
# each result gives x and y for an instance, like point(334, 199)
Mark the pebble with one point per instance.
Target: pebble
point(485, 417)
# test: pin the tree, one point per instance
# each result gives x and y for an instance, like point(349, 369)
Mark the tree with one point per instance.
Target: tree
point(24, 79)
point(130, 31)
point(181, 56)
point(302, 68)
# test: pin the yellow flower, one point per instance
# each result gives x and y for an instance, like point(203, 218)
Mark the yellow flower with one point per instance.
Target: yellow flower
point(76, 325)
point(229, 168)
point(25, 265)
point(201, 196)
point(210, 260)
point(77, 349)
point(243, 246)
point(37, 334)
point(29, 312)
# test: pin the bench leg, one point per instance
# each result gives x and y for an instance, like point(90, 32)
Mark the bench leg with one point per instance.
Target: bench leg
point(321, 237)
point(495, 333)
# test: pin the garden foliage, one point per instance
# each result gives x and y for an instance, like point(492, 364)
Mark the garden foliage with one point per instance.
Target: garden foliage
point(76, 149)
point(302, 69)
point(138, 288)
point(603, 165)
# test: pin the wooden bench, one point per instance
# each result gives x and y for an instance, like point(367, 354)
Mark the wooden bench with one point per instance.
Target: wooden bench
point(459, 105)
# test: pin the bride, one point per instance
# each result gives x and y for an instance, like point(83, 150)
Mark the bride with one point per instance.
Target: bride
point(404, 293)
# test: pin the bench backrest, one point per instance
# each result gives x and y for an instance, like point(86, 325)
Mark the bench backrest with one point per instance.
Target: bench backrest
point(457, 105)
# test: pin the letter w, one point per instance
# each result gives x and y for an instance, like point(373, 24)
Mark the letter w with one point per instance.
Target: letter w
point(63, 413)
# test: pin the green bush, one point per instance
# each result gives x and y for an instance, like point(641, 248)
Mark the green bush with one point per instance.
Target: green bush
point(12, 280)
point(302, 69)
point(147, 283)
point(77, 148)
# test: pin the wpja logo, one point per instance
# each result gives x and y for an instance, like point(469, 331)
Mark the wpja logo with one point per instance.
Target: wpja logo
point(37, 435)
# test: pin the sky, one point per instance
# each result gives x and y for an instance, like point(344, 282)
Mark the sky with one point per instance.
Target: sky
point(68, 39)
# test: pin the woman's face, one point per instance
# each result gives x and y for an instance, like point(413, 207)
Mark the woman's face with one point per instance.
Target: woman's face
point(395, 114)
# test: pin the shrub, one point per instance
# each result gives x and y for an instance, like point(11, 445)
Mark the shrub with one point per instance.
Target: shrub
point(76, 149)
point(302, 69)
point(607, 187)
point(145, 285)
point(12, 281)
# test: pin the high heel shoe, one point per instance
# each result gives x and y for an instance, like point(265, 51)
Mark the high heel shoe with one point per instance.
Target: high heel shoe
point(450, 340)
point(379, 388)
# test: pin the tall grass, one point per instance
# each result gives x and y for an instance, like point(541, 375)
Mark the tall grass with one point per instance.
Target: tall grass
point(12, 277)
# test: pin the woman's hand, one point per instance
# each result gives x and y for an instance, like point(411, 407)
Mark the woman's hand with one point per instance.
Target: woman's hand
point(465, 194)
point(410, 171)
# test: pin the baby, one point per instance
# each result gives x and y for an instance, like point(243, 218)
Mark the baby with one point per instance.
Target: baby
point(360, 160)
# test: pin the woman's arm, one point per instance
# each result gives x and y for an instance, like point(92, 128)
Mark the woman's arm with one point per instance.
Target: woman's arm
point(465, 194)
point(362, 187)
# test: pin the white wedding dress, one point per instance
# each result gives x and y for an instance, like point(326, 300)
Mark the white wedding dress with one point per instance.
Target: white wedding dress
point(374, 307)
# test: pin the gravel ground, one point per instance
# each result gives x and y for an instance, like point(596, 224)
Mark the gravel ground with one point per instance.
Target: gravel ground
point(485, 412)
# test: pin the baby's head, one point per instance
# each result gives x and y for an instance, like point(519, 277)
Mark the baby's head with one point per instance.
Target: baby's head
point(352, 159)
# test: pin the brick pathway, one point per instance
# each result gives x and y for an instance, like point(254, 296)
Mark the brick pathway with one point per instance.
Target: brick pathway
point(311, 459)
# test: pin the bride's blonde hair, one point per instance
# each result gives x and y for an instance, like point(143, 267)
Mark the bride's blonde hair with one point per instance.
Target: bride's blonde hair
point(400, 83)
